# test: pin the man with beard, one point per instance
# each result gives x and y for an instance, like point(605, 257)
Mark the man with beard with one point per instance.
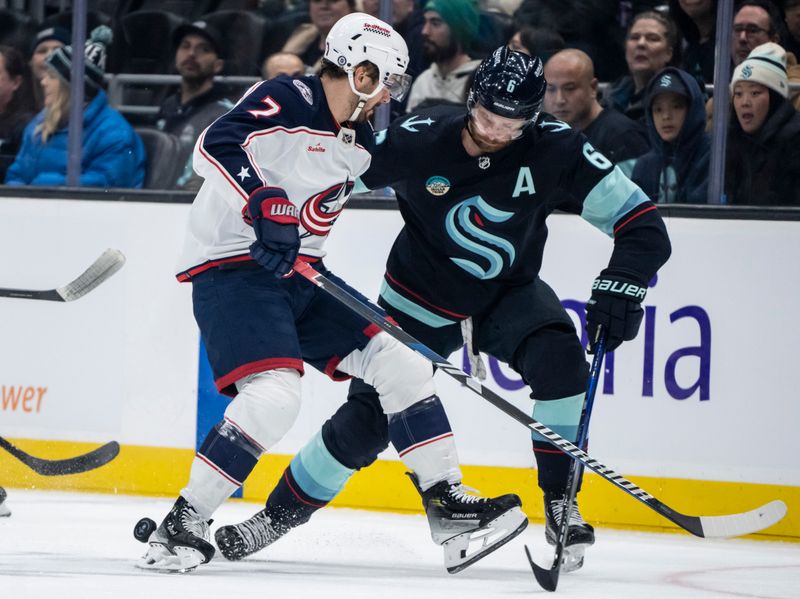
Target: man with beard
point(199, 101)
point(449, 29)
point(278, 169)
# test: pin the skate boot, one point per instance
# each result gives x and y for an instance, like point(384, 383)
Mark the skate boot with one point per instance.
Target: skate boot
point(237, 541)
point(580, 535)
point(4, 511)
point(469, 527)
point(180, 543)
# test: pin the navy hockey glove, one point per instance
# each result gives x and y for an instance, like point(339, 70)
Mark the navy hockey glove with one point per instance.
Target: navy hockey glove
point(616, 305)
point(274, 219)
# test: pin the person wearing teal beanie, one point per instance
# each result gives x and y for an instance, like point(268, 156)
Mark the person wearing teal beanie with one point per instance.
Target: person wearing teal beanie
point(461, 16)
point(449, 29)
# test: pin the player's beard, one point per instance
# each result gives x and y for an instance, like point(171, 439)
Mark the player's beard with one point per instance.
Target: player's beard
point(485, 145)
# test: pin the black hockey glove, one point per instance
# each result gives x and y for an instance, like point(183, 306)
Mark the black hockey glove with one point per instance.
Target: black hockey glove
point(616, 305)
point(274, 219)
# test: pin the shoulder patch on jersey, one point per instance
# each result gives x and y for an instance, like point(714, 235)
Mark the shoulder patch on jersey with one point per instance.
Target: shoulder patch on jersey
point(437, 185)
point(305, 91)
point(411, 123)
point(554, 126)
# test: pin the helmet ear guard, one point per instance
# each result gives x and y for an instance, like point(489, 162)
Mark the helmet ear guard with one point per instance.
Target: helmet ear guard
point(509, 84)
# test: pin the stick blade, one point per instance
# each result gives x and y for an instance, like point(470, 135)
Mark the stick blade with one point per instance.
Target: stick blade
point(547, 579)
point(746, 523)
point(106, 265)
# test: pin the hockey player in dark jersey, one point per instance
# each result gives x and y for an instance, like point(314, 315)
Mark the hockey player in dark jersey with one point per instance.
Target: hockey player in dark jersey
point(475, 188)
point(278, 169)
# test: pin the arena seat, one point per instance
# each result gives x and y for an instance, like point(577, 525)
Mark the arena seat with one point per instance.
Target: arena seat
point(243, 38)
point(164, 163)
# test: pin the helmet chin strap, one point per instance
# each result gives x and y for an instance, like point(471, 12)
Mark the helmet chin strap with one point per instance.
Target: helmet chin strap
point(362, 97)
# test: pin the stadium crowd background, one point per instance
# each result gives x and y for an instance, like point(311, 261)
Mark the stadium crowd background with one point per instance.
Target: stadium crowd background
point(159, 71)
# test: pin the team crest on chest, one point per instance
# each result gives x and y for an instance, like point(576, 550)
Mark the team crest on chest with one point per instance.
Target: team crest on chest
point(484, 162)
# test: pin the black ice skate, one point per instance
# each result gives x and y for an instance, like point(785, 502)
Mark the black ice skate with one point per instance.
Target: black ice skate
point(580, 535)
point(469, 527)
point(4, 511)
point(237, 541)
point(180, 543)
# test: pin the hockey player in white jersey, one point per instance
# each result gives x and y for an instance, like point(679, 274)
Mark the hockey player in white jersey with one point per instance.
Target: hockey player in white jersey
point(278, 169)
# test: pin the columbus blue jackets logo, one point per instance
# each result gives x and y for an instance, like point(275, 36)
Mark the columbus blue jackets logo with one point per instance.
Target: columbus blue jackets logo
point(321, 210)
point(464, 225)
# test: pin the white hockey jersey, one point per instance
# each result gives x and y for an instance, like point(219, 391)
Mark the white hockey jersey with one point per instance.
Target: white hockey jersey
point(280, 134)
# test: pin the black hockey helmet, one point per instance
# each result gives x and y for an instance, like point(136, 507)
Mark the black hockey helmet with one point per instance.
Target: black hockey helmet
point(510, 84)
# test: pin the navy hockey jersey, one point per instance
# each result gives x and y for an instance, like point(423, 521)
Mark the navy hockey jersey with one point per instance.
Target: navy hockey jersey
point(475, 225)
point(280, 134)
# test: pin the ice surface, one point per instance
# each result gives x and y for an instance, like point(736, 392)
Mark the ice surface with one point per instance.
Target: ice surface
point(68, 545)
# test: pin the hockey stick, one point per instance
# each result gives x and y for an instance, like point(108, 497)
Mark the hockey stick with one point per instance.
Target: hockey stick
point(548, 578)
point(88, 461)
point(702, 526)
point(106, 265)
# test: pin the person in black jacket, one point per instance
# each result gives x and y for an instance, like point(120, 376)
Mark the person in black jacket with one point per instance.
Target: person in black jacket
point(763, 161)
point(16, 103)
point(676, 168)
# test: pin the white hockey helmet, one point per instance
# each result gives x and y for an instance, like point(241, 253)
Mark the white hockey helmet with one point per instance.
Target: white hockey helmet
point(358, 37)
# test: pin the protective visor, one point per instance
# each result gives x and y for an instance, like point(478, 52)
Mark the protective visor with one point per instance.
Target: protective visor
point(398, 85)
point(494, 126)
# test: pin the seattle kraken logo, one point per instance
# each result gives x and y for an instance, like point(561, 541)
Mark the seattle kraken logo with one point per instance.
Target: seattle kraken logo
point(470, 236)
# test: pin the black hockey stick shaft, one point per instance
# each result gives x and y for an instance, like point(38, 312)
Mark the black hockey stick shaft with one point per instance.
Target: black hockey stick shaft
point(548, 577)
point(701, 526)
point(82, 463)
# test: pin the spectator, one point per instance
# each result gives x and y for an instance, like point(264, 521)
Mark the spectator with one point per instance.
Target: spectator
point(112, 154)
point(571, 96)
point(45, 41)
point(763, 161)
point(675, 170)
point(199, 101)
point(755, 22)
point(696, 21)
point(16, 103)
point(651, 45)
point(536, 41)
point(595, 26)
point(283, 63)
point(308, 39)
point(449, 30)
point(792, 17)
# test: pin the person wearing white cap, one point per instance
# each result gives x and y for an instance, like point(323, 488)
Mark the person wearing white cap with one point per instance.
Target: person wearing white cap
point(763, 162)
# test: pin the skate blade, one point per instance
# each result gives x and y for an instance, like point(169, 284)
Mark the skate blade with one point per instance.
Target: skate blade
point(159, 558)
point(465, 549)
point(4, 511)
point(572, 558)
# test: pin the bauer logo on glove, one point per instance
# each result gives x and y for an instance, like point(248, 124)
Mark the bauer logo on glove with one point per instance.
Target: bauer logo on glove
point(616, 287)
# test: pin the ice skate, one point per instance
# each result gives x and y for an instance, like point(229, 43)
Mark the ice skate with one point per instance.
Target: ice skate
point(580, 535)
point(237, 541)
point(4, 511)
point(180, 543)
point(470, 527)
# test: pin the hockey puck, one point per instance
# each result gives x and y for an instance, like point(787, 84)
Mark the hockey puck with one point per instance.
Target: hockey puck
point(143, 529)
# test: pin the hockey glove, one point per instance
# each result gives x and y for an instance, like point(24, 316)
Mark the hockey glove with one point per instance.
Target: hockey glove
point(616, 305)
point(274, 219)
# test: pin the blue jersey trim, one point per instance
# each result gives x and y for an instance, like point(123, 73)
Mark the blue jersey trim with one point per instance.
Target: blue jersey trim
point(416, 311)
point(614, 196)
